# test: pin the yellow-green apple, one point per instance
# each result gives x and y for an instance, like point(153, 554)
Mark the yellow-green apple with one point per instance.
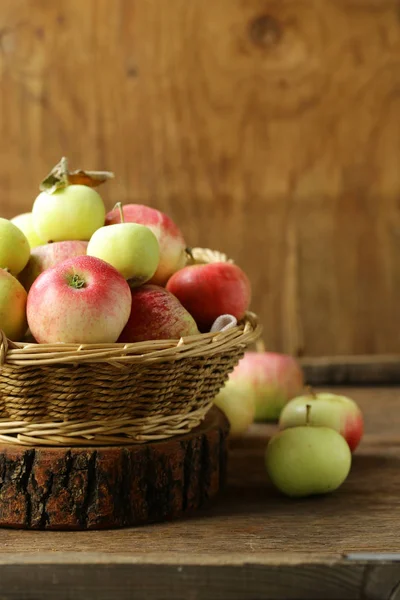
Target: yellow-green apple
point(81, 300)
point(14, 247)
point(238, 406)
point(131, 248)
point(156, 315)
point(208, 291)
point(47, 256)
point(328, 410)
point(74, 212)
point(170, 238)
point(24, 222)
point(12, 307)
point(304, 461)
point(271, 379)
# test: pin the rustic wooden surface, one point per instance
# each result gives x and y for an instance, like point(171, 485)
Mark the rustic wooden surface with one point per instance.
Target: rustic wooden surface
point(100, 488)
point(361, 370)
point(267, 129)
point(252, 544)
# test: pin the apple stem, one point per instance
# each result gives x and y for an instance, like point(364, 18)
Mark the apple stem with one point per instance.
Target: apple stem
point(308, 414)
point(76, 282)
point(189, 255)
point(311, 392)
point(121, 212)
point(260, 345)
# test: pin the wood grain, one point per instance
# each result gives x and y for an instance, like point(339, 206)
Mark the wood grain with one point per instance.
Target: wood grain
point(252, 544)
point(244, 120)
point(359, 370)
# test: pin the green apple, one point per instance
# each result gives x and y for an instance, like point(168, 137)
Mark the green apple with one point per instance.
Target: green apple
point(304, 461)
point(24, 222)
point(12, 307)
point(73, 212)
point(14, 247)
point(130, 248)
point(238, 407)
point(326, 410)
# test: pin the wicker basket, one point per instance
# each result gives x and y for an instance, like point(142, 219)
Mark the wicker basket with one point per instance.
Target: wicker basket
point(110, 394)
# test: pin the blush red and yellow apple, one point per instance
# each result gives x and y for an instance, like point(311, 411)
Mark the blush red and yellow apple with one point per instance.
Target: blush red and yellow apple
point(270, 379)
point(81, 300)
point(170, 239)
point(326, 410)
point(48, 256)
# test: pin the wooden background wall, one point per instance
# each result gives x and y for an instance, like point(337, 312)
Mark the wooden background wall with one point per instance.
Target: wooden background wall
point(269, 129)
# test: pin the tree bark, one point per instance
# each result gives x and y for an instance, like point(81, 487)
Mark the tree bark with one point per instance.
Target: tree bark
point(109, 487)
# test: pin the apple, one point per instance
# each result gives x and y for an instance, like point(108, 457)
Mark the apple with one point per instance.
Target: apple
point(271, 379)
point(156, 315)
point(82, 300)
point(131, 248)
point(24, 222)
point(47, 256)
point(327, 410)
point(170, 239)
point(304, 461)
point(208, 291)
point(74, 212)
point(12, 307)
point(14, 247)
point(238, 407)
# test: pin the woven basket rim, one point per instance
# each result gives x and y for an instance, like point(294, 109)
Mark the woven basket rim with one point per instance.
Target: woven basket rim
point(203, 344)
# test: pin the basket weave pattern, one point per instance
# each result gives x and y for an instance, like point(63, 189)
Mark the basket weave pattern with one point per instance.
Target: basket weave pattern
point(67, 394)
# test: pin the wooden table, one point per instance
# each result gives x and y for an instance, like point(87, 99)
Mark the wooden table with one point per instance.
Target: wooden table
point(253, 544)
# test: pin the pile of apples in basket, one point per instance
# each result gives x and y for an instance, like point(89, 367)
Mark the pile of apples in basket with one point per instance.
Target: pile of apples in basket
point(70, 273)
point(74, 274)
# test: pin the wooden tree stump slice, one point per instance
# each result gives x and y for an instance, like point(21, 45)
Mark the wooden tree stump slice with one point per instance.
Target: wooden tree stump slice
point(109, 487)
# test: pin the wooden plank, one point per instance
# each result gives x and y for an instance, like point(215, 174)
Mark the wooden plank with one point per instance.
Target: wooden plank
point(267, 129)
point(125, 580)
point(359, 370)
point(86, 576)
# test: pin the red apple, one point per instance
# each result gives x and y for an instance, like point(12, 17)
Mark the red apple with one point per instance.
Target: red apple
point(269, 379)
point(47, 256)
point(156, 315)
point(326, 410)
point(208, 291)
point(170, 239)
point(81, 300)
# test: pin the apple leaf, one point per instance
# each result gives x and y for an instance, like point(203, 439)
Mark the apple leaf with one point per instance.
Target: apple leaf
point(89, 178)
point(56, 179)
point(60, 177)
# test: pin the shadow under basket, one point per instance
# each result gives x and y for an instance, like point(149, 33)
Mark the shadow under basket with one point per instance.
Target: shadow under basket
point(113, 394)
